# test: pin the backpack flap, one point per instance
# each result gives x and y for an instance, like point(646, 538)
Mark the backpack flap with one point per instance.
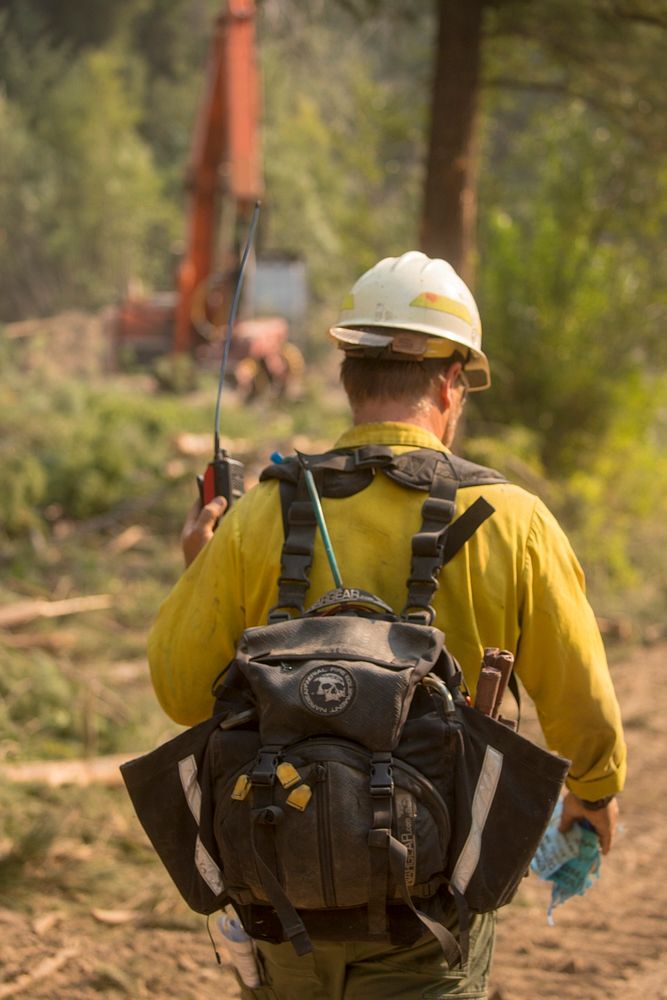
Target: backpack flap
point(310, 676)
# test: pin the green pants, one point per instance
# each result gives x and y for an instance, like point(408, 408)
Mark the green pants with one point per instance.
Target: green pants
point(363, 971)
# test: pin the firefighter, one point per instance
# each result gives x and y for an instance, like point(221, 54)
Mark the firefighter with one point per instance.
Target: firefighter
point(410, 336)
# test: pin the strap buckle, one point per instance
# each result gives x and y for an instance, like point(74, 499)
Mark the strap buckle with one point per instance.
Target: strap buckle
point(264, 771)
point(279, 613)
point(372, 456)
point(418, 616)
point(438, 509)
point(382, 781)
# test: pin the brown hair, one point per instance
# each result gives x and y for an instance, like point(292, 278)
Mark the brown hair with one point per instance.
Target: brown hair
point(365, 379)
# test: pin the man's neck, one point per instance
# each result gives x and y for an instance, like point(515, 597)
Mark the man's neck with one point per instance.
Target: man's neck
point(382, 411)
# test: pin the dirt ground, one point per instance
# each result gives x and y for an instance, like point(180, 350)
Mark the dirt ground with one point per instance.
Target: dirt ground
point(609, 945)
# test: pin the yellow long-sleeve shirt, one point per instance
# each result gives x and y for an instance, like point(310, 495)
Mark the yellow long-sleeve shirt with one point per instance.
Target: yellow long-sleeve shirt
point(516, 584)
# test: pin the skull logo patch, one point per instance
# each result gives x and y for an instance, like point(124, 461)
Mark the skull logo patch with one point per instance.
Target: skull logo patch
point(328, 690)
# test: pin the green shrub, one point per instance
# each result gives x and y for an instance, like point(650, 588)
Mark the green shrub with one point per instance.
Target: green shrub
point(80, 449)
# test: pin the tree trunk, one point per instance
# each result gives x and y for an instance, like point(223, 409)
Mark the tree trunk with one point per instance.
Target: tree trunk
point(450, 193)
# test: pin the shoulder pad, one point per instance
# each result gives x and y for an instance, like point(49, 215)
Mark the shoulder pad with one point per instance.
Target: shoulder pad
point(339, 473)
point(417, 468)
point(470, 474)
point(287, 471)
point(343, 472)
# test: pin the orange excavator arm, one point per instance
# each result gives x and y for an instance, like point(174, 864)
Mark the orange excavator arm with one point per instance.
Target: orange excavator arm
point(225, 154)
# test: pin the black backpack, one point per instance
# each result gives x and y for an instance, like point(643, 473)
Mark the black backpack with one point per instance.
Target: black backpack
point(345, 789)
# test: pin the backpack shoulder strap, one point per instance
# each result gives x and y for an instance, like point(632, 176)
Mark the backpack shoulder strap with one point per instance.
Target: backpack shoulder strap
point(338, 473)
point(440, 538)
point(296, 557)
point(344, 472)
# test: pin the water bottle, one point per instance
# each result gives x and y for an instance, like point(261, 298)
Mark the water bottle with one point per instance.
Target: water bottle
point(241, 950)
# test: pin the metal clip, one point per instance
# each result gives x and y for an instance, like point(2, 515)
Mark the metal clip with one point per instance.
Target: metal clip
point(430, 681)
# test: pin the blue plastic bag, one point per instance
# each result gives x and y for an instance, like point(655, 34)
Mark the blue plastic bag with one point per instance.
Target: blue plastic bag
point(570, 860)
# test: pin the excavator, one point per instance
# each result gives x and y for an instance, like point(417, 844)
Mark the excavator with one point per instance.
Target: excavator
point(224, 181)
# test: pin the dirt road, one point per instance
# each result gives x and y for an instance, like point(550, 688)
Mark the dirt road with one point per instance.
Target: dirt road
point(609, 945)
point(612, 943)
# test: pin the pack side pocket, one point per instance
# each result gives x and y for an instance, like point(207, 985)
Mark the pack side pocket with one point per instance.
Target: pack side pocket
point(506, 789)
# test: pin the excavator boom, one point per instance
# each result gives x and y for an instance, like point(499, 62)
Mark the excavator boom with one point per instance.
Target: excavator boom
point(225, 155)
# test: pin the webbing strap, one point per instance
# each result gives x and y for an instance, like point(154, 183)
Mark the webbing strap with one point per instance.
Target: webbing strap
point(287, 495)
point(463, 914)
point(465, 526)
point(266, 816)
point(427, 544)
point(398, 855)
point(290, 920)
point(297, 555)
point(382, 790)
point(438, 541)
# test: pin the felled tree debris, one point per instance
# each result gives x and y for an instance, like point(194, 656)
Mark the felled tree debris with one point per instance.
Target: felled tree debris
point(14, 615)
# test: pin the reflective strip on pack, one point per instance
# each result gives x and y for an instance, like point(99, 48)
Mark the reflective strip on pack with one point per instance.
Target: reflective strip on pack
point(187, 769)
point(487, 783)
point(206, 866)
point(208, 869)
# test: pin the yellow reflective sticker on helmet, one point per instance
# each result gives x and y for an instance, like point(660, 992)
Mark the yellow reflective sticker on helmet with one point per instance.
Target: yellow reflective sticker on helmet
point(430, 300)
point(348, 302)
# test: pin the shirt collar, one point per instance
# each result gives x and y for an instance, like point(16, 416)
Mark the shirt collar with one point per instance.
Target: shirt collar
point(390, 433)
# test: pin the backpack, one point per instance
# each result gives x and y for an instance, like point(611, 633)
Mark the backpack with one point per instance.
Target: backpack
point(346, 789)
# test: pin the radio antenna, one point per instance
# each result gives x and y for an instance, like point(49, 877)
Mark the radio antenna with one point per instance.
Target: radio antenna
point(224, 475)
point(232, 319)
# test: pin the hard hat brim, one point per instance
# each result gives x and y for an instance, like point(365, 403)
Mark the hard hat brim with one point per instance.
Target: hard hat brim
point(375, 343)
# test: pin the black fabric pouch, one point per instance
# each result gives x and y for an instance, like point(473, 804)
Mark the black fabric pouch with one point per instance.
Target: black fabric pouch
point(170, 791)
point(505, 791)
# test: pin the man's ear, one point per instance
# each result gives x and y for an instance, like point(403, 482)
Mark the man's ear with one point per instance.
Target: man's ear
point(447, 383)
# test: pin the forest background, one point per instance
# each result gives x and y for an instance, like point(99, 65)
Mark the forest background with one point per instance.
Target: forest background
point(97, 104)
point(560, 112)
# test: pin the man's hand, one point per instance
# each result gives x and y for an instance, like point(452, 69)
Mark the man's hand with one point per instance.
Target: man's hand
point(602, 820)
point(199, 526)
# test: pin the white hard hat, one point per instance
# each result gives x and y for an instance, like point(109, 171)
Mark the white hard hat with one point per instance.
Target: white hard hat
point(413, 307)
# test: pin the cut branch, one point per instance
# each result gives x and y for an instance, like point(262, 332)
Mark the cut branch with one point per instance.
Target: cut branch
point(12, 615)
point(55, 773)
